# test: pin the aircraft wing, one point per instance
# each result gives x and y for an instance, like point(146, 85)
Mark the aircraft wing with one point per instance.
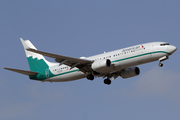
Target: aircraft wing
point(82, 64)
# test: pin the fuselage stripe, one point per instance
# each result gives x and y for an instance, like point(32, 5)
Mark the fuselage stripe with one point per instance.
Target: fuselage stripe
point(140, 55)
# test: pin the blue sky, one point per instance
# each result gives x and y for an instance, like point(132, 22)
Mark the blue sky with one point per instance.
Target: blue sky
point(85, 28)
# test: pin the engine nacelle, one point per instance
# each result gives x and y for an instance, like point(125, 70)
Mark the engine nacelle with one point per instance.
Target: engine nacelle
point(130, 72)
point(101, 65)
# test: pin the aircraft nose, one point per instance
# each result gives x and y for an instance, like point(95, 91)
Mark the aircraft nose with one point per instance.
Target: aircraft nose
point(172, 49)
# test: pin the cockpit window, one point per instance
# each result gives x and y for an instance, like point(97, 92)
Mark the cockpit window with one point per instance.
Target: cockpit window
point(164, 44)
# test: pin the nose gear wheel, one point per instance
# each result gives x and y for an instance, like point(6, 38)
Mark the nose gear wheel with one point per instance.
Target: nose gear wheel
point(160, 64)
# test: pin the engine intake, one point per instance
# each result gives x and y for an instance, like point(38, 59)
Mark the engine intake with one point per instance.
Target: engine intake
point(130, 72)
point(101, 65)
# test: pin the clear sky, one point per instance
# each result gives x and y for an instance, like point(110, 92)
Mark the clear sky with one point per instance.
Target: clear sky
point(85, 28)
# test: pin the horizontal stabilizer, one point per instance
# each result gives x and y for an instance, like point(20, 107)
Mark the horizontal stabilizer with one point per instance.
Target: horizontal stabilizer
point(25, 72)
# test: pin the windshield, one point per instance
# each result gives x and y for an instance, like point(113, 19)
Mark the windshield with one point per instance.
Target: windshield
point(164, 44)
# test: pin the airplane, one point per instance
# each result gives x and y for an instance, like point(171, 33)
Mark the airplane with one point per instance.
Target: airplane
point(122, 62)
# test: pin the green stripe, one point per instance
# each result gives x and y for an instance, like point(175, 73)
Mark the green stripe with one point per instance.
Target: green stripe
point(141, 55)
point(68, 72)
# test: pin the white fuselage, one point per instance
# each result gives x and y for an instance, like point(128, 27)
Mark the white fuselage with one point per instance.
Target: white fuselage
point(120, 59)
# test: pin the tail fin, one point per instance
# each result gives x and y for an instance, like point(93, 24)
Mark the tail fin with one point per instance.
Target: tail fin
point(36, 61)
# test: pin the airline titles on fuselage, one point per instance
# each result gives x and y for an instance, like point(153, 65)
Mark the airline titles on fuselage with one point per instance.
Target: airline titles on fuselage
point(125, 51)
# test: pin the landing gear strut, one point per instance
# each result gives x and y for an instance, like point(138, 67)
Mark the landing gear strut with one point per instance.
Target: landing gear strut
point(107, 81)
point(162, 59)
point(90, 77)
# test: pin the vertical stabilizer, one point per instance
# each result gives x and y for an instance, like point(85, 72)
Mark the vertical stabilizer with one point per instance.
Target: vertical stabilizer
point(27, 44)
point(36, 61)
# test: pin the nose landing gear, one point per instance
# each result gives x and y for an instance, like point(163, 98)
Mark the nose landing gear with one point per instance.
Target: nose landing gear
point(162, 59)
point(160, 64)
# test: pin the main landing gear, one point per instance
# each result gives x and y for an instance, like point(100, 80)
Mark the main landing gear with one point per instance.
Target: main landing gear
point(90, 77)
point(107, 81)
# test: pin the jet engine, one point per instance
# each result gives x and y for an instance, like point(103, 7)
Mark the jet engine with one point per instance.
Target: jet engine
point(101, 65)
point(130, 72)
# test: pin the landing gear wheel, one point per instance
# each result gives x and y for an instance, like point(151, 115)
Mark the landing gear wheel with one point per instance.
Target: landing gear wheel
point(160, 64)
point(90, 77)
point(107, 81)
